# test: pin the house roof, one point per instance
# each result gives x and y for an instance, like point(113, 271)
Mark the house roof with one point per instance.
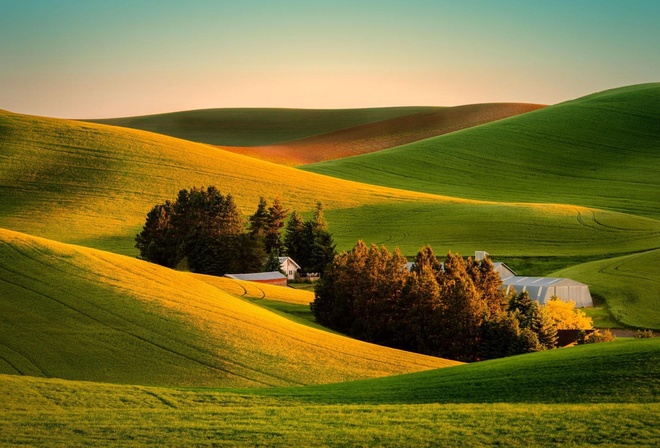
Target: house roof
point(275, 275)
point(283, 260)
point(540, 281)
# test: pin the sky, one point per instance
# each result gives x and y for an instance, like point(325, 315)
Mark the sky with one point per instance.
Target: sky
point(102, 58)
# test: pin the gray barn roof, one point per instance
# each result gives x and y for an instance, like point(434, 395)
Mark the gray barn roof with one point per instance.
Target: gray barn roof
point(541, 281)
point(275, 275)
point(542, 289)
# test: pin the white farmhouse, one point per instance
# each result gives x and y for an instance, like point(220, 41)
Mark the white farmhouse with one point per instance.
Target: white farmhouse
point(289, 267)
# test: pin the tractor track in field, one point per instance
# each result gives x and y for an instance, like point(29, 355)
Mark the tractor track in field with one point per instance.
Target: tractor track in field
point(28, 359)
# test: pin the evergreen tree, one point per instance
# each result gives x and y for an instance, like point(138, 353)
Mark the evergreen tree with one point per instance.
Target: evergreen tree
point(294, 236)
point(251, 253)
point(464, 313)
point(426, 259)
point(545, 329)
point(421, 309)
point(320, 252)
point(272, 263)
point(500, 336)
point(275, 222)
point(319, 221)
point(524, 308)
point(336, 293)
point(488, 283)
point(156, 242)
point(531, 316)
point(203, 226)
point(259, 221)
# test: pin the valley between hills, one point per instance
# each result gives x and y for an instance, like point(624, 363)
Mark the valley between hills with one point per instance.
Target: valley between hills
point(96, 344)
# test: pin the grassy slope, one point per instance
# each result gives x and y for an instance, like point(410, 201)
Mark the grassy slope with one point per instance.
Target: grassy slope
point(91, 184)
point(630, 283)
point(384, 134)
point(600, 151)
point(83, 314)
point(560, 398)
point(626, 371)
point(253, 127)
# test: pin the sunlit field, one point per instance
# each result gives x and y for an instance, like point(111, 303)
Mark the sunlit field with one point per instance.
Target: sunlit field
point(82, 314)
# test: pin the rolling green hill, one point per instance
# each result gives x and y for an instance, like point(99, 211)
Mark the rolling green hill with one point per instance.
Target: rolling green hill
point(92, 185)
point(604, 394)
point(255, 127)
point(82, 314)
point(618, 372)
point(383, 134)
point(600, 151)
point(630, 285)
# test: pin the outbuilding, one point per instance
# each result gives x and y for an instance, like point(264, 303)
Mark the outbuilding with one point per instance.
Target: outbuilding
point(542, 289)
point(270, 278)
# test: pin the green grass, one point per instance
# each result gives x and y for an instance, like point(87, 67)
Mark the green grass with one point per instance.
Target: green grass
point(630, 284)
point(512, 230)
point(255, 424)
point(601, 317)
point(258, 126)
point(599, 151)
point(626, 371)
point(604, 394)
point(82, 314)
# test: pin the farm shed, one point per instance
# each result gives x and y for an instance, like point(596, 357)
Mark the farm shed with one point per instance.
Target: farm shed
point(270, 278)
point(504, 270)
point(542, 289)
point(289, 267)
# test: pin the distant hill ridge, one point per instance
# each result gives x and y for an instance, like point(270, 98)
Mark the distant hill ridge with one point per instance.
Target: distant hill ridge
point(602, 150)
point(384, 134)
point(257, 126)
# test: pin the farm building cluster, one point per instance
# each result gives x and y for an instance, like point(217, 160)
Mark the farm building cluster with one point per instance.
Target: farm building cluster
point(540, 289)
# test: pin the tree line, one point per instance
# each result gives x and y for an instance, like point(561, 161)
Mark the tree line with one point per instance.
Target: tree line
point(204, 229)
point(456, 309)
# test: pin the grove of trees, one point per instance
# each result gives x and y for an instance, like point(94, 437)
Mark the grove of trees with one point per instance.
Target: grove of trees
point(205, 229)
point(455, 310)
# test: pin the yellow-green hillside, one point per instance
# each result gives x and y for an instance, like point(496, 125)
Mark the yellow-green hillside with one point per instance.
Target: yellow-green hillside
point(92, 185)
point(82, 314)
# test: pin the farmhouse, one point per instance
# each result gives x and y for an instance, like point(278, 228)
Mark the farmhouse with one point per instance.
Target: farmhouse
point(289, 267)
point(270, 278)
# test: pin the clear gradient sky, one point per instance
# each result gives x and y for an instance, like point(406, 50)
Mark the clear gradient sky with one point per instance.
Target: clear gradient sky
point(110, 58)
